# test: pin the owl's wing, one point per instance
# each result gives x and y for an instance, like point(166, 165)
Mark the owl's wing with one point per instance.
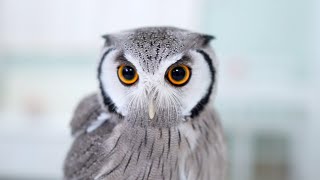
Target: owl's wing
point(88, 115)
point(90, 127)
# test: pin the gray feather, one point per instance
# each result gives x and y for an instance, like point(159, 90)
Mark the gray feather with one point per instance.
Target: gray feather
point(86, 111)
point(147, 153)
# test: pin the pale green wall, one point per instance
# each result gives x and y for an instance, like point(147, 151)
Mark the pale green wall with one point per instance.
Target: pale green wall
point(269, 33)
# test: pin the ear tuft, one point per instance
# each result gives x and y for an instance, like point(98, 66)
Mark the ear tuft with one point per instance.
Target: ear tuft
point(207, 39)
point(107, 39)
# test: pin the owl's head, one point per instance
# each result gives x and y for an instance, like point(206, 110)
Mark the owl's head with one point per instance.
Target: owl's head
point(157, 76)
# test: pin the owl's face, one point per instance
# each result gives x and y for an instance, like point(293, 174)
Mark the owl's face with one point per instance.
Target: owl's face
point(156, 76)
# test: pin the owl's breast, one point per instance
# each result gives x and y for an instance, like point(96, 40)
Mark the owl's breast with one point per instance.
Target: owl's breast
point(149, 152)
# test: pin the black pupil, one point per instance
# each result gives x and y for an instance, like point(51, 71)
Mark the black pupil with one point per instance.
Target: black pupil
point(178, 73)
point(128, 72)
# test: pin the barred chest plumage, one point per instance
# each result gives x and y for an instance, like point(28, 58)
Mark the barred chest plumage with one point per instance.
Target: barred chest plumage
point(188, 151)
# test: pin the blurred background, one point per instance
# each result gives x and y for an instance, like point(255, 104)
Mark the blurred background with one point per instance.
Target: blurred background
point(268, 94)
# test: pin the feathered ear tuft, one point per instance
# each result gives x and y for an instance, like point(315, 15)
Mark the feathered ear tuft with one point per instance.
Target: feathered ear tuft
point(207, 39)
point(108, 39)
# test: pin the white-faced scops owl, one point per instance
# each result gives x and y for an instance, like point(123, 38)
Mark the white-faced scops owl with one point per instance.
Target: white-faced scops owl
point(152, 116)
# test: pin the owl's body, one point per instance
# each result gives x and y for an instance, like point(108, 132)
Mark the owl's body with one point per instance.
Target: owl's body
point(153, 126)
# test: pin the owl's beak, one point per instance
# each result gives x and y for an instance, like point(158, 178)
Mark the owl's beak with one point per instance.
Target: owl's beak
point(151, 109)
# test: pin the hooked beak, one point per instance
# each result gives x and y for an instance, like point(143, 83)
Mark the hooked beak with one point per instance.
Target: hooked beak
point(151, 109)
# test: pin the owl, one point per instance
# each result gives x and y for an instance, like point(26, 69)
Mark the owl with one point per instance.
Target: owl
point(152, 116)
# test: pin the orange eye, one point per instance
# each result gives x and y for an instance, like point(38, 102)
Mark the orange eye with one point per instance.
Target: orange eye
point(127, 74)
point(178, 75)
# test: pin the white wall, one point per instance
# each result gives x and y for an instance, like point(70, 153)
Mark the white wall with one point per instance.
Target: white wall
point(79, 23)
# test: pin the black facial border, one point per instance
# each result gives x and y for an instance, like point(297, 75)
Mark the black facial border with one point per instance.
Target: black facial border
point(204, 101)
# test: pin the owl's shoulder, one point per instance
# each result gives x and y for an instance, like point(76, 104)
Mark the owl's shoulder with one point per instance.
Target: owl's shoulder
point(89, 115)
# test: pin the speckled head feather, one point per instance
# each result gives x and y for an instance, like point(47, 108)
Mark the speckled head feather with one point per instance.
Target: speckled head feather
point(152, 51)
point(153, 44)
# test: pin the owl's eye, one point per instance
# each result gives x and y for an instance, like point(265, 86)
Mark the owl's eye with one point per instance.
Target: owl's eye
point(178, 75)
point(127, 74)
